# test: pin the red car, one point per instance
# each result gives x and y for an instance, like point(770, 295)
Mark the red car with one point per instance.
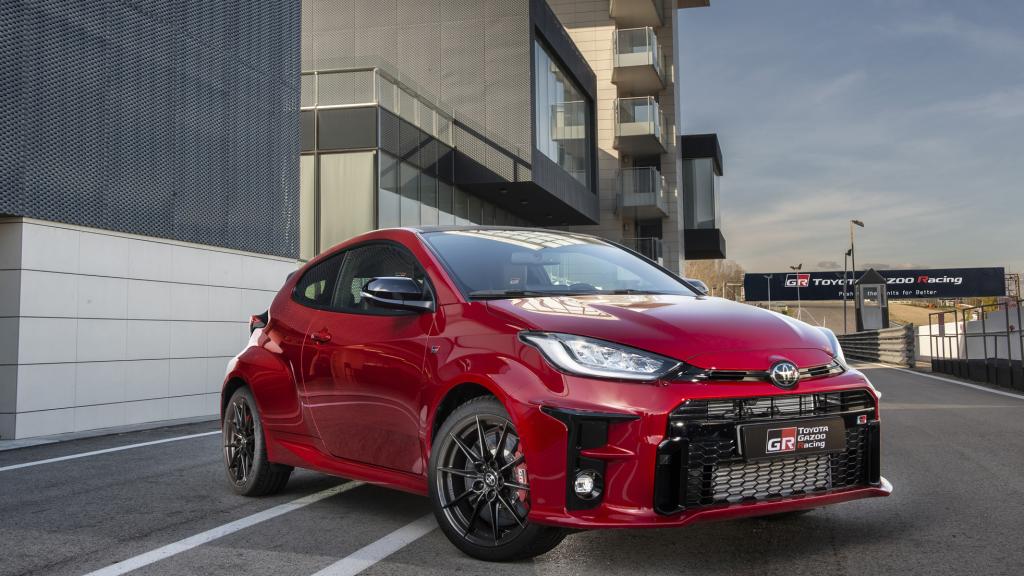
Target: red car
point(533, 382)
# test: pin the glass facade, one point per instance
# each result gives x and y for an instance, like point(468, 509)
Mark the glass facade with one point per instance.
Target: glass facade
point(404, 177)
point(563, 117)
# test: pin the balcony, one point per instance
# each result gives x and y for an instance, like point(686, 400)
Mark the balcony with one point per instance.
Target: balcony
point(649, 247)
point(638, 64)
point(640, 128)
point(636, 13)
point(642, 191)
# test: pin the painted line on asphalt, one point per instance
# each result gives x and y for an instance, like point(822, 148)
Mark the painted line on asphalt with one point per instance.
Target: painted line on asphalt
point(950, 380)
point(373, 553)
point(105, 451)
point(136, 562)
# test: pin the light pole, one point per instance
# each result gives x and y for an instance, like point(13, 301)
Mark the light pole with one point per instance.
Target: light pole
point(799, 306)
point(853, 253)
point(846, 285)
point(768, 277)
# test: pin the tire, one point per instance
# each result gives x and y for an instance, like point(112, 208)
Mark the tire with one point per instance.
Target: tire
point(468, 495)
point(245, 450)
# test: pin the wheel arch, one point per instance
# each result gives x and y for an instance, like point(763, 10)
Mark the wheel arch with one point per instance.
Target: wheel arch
point(232, 385)
point(454, 397)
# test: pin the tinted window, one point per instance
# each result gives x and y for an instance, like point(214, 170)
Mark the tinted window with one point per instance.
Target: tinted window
point(373, 261)
point(513, 260)
point(316, 286)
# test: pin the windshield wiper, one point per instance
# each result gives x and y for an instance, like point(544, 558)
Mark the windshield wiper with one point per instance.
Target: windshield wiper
point(631, 291)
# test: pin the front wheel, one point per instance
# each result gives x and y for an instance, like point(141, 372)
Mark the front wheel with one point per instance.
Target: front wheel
point(245, 449)
point(479, 486)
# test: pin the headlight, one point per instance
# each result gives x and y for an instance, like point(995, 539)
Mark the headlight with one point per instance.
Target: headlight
point(837, 350)
point(597, 358)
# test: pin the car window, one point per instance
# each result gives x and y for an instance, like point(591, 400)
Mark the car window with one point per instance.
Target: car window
point(499, 262)
point(365, 263)
point(316, 286)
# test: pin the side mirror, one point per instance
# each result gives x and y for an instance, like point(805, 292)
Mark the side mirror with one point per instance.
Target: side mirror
point(396, 292)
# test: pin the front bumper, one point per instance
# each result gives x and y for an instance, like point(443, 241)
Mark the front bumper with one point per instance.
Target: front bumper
point(657, 473)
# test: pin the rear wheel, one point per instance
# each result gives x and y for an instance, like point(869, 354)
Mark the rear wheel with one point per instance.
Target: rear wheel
point(479, 486)
point(245, 449)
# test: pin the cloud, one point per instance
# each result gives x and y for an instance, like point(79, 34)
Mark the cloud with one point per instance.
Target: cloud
point(989, 39)
point(1006, 104)
point(837, 88)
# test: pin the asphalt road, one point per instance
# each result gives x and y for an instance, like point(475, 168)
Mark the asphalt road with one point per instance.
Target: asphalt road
point(955, 455)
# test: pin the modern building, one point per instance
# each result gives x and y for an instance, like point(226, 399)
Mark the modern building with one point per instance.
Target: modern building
point(423, 112)
point(630, 46)
point(702, 221)
point(149, 158)
point(164, 165)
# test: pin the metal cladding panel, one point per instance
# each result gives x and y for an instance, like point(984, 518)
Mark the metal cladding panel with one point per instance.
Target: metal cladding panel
point(175, 119)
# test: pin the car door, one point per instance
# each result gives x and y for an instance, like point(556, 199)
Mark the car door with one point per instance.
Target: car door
point(363, 364)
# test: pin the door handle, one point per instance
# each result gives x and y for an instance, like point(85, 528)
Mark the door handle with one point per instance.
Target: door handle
point(321, 337)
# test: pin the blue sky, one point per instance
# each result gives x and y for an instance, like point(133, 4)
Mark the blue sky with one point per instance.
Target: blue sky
point(906, 114)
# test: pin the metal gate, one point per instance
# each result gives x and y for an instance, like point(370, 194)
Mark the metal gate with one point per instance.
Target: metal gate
point(980, 343)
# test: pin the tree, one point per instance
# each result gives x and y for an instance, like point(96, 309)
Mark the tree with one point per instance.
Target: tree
point(717, 274)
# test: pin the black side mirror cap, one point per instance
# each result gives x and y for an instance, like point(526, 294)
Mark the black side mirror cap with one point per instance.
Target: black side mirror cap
point(397, 292)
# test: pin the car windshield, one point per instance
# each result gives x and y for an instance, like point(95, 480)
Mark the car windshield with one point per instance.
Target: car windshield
point(507, 263)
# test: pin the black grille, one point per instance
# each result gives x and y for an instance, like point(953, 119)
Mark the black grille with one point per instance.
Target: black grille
point(787, 406)
point(699, 463)
point(716, 475)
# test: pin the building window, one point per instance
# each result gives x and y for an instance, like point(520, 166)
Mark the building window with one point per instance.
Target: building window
point(563, 116)
point(346, 196)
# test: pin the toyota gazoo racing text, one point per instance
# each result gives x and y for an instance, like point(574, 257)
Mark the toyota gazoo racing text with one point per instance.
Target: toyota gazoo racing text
point(533, 382)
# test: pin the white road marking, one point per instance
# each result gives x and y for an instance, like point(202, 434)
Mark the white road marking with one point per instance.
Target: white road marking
point(104, 451)
point(370, 554)
point(136, 562)
point(950, 380)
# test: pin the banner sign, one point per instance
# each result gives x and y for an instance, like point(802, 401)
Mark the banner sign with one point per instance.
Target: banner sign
point(902, 284)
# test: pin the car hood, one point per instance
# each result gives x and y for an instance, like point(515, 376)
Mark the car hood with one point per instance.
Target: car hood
point(703, 331)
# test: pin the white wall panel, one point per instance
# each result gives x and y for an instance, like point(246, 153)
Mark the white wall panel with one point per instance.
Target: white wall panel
point(101, 297)
point(105, 329)
point(147, 379)
point(149, 300)
point(147, 339)
point(102, 255)
point(49, 248)
point(45, 386)
point(50, 294)
point(47, 340)
point(99, 383)
point(101, 340)
point(149, 260)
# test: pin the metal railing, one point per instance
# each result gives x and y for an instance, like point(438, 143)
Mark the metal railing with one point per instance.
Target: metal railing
point(325, 89)
point(637, 47)
point(649, 247)
point(643, 186)
point(982, 343)
point(640, 116)
point(891, 345)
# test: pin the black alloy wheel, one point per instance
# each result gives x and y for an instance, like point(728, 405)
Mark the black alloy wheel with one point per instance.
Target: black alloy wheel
point(245, 451)
point(480, 488)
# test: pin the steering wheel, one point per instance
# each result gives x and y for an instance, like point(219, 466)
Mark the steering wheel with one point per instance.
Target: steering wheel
point(582, 287)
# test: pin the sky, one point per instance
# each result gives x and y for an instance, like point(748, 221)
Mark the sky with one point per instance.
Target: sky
point(905, 114)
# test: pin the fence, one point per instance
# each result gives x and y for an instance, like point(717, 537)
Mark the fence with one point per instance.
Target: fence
point(980, 343)
point(891, 345)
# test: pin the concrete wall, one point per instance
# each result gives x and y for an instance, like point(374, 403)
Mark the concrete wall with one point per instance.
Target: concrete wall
point(101, 329)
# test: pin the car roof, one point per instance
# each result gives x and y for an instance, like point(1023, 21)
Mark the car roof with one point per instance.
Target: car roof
point(479, 227)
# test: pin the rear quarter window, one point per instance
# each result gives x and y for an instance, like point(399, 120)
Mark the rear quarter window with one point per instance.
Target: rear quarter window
point(316, 287)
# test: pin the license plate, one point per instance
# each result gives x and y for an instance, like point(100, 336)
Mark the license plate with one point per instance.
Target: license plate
point(793, 438)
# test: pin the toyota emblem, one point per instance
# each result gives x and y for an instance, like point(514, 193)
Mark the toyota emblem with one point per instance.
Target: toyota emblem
point(784, 374)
